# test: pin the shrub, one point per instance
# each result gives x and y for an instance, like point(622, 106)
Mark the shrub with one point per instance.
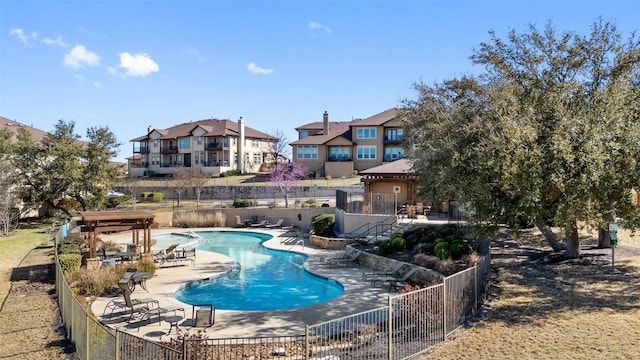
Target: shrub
point(234, 172)
point(70, 262)
point(152, 196)
point(441, 250)
point(109, 245)
point(459, 249)
point(199, 219)
point(398, 243)
point(323, 224)
point(68, 248)
point(241, 203)
point(385, 248)
point(115, 201)
point(147, 265)
point(97, 282)
point(412, 240)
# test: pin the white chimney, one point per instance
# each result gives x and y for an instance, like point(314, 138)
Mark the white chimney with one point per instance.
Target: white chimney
point(325, 123)
point(241, 145)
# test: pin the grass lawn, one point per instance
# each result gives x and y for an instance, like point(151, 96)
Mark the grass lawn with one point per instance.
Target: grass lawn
point(250, 180)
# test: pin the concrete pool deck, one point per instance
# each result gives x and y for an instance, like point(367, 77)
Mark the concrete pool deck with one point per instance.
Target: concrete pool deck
point(358, 295)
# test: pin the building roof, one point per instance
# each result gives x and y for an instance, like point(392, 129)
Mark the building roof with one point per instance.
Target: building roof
point(377, 119)
point(13, 126)
point(335, 129)
point(212, 127)
point(398, 167)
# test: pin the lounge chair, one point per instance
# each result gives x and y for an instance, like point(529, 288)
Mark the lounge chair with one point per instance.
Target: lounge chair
point(278, 224)
point(344, 261)
point(143, 311)
point(126, 281)
point(374, 275)
point(240, 223)
point(262, 223)
point(396, 282)
point(174, 258)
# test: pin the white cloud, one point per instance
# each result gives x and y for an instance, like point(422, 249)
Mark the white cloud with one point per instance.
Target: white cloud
point(55, 42)
point(137, 64)
point(257, 69)
point(79, 56)
point(21, 36)
point(314, 25)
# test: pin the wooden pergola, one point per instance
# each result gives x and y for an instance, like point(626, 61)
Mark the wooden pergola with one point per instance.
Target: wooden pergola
point(96, 222)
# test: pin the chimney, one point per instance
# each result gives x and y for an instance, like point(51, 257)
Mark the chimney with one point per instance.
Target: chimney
point(241, 145)
point(149, 129)
point(325, 123)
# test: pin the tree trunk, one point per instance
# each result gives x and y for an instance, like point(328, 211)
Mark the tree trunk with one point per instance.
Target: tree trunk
point(604, 238)
point(572, 241)
point(549, 235)
point(286, 200)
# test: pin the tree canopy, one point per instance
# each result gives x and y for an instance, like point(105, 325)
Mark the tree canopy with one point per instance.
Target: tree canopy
point(64, 172)
point(548, 133)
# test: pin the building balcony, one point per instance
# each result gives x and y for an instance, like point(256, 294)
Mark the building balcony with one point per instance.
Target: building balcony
point(168, 149)
point(139, 164)
point(140, 149)
point(339, 159)
point(389, 158)
point(393, 139)
point(217, 146)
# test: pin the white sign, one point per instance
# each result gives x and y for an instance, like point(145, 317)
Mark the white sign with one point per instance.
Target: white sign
point(396, 189)
point(613, 231)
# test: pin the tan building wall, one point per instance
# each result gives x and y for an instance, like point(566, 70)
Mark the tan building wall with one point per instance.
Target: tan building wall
point(337, 169)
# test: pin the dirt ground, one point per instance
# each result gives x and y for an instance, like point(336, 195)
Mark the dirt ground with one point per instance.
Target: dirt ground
point(30, 325)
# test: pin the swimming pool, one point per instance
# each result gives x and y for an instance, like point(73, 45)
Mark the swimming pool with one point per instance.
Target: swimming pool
point(264, 279)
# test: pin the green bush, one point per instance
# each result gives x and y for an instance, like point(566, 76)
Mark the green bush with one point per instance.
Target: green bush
point(68, 248)
point(441, 250)
point(70, 262)
point(385, 248)
point(234, 172)
point(241, 203)
point(115, 201)
point(151, 196)
point(459, 249)
point(398, 243)
point(323, 224)
point(412, 240)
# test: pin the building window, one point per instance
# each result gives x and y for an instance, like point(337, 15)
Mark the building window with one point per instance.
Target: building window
point(255, 143)
point(199, 140)
point(304, 134)
point(367, 152)
point(198, 157)
point(394, 135)
point(155, 159)
point(155, 143)
point(394, 153)
point(339, 154)
point(185, 143)
point(366, 133)
point(257, 158)
point(307, 151)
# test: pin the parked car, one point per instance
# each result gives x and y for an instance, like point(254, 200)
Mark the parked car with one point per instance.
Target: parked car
point(114, 193)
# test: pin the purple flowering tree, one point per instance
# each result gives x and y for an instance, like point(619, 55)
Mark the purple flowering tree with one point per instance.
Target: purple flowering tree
point(285, 176)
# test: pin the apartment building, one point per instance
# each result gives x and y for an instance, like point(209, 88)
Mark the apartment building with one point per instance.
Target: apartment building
point(211, 145)
point(341, 148)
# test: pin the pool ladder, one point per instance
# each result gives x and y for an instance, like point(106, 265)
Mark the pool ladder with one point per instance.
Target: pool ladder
point(299, 242)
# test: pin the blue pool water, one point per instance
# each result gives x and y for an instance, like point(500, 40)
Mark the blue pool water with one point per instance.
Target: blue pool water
point(265, 280)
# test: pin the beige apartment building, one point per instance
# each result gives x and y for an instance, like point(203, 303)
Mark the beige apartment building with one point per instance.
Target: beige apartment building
point(212, 145)
point(338, 149)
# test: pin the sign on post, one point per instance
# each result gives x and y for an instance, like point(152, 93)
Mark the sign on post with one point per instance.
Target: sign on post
point(613, 233)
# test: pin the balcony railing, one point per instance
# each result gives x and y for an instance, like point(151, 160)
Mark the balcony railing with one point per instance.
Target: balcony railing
point(140, 149)
point(216, 163)
point(169, 149)
point(139, 164)
point(389, 158)
point(216, 146)
point(393, 139)
point(339, 159)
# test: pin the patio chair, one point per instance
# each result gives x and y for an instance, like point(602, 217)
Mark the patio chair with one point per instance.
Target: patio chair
point(278, 224)
point(344, 261)
point(142, 311)
point(396, 281)
point(126, 281)
point(374, 275)
point(239, 222)
point(262, 223)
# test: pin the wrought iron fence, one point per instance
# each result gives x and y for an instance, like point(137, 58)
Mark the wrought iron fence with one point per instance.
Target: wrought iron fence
point(408, 325)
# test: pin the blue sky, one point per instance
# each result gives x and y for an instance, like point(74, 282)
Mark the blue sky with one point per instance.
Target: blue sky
point(278, 64)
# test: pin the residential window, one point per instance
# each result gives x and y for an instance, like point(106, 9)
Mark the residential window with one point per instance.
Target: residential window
point(339, 154)
point(307, 151)
point(155, 159)
point(199, 140)
point(255, 143)
point(394, 134)
point(185, 143)
point(366, 133)
point(257, 158)
point(155, 143)
point(304, 134)
point(367, 152)
point(178, 159)
point(198, 157)
point(393, 153)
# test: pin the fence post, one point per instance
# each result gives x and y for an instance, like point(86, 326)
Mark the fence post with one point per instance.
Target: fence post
point(444, 310)
point(475, 291)
point(389, 329)
point(118, 339)
point(307, 351)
